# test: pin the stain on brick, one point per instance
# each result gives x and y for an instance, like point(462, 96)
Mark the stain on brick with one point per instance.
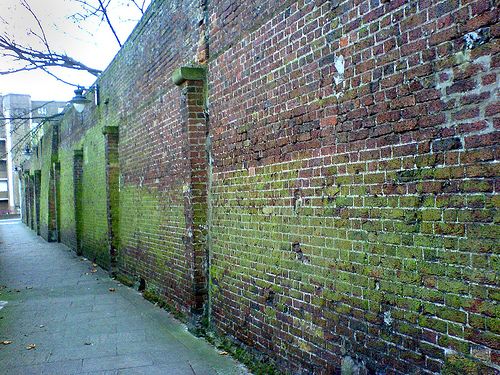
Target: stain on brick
point(446, 144)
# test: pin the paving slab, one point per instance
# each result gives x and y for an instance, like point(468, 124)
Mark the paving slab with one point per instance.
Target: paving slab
point(50, 298)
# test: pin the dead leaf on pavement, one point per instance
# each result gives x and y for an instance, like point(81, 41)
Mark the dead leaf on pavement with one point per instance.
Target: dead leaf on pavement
point(6, 342)
point(112, 289)
point(31, 346)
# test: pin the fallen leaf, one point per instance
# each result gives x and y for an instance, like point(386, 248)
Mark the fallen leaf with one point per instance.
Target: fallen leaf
point(223, 353)
point(6, 342)
point(112, 289)
point(31, 346)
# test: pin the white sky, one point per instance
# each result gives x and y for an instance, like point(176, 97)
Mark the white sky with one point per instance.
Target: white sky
point(90, 42)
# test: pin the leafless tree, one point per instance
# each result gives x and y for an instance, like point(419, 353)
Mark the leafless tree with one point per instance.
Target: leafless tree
point(100, 9)
point(140, 5)
point(44, 58)
point(41, 56)
point(30, 58)
point(97, 9)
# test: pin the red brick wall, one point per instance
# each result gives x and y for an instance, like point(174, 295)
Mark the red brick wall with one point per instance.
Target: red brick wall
point(136, 94)
point(353, 147)
point(153, 150)
point(345, 212)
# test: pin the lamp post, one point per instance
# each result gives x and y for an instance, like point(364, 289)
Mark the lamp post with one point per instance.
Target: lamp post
point(79, 101)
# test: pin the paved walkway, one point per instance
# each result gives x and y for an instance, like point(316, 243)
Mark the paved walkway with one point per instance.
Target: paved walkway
point(55, 302)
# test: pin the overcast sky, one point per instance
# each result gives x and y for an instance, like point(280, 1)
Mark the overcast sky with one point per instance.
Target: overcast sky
point(90, 42)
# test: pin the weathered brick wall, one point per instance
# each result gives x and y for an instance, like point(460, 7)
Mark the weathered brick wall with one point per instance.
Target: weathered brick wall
point(94, 220)
point(153, 150)
point(42, 161)
point(42, 196)
point(68, 223)
point(353, 198)
point(83, 132)
point(154, 223)
point(352, 206)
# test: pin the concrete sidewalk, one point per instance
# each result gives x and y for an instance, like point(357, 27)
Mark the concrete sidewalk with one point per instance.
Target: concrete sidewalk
point(50, 298)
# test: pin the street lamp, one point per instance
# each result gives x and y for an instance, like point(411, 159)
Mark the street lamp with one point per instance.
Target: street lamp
point(79, 100)
point(27, 150)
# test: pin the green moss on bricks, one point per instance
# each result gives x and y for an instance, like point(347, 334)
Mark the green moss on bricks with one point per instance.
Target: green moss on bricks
point(125, 279)
point(460, 365)
point(94, 212)
point(257, 363)
point(153, 297)
point(67, 209)
point(191, 73)
point(143, 212)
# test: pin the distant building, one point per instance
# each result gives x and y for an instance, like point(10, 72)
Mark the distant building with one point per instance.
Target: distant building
point(19, 120)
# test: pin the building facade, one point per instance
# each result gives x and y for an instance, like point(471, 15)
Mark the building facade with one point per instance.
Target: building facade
point(20, 118)
point(317, 180)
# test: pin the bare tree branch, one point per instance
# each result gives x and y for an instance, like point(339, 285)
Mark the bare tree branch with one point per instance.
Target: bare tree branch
point(30, 58)
point(16, 118)
point(59, 78)
point(19, 121)
point(89, 10)
point(43, 37)
point(139, 6)
point(36, 59)
point(14, 149)
point(101, 10)
point(104, 11)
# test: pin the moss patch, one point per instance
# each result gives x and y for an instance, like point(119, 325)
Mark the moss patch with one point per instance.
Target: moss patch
point(160, 301)
point(460, 365)
point(124, 279)
point(257, 364)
